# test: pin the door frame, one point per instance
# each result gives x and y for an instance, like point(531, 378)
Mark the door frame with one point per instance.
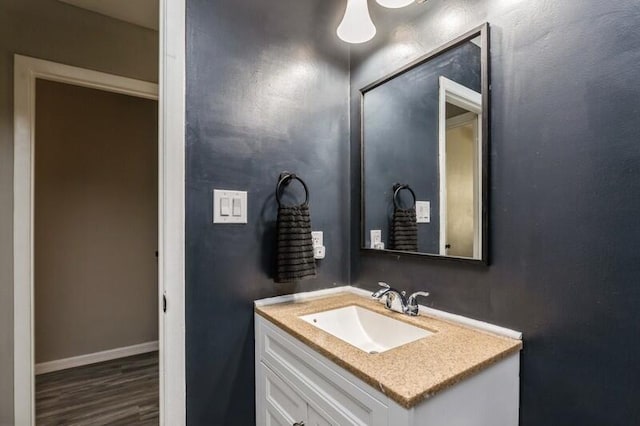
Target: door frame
point(452, 123)
point(170, 94)
point(459, 95)
point(171, 122)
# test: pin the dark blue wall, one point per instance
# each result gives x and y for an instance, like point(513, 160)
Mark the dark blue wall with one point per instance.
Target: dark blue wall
point(400, 121)
point(267, 90)
point(564, 196)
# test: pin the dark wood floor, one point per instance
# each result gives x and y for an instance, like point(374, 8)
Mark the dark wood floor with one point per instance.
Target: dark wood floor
point(118, 392)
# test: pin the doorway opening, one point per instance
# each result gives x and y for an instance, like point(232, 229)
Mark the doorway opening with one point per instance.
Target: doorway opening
point(81, 207)
point(95, 255)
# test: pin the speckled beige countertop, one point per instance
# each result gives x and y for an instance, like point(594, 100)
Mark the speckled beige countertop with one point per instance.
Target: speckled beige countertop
point(412, 372)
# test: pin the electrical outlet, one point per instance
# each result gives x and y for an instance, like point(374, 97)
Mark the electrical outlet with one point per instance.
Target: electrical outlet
point(319, 252)
point(318, 238)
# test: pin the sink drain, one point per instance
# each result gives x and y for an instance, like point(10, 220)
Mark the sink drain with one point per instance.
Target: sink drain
point(373, 352)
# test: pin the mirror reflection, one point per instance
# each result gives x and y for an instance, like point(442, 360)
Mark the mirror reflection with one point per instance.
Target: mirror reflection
point(422, 156)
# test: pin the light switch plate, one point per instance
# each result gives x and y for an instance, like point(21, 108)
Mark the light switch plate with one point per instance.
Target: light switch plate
point(423, 211)
point(235, 206)
point(375, 237)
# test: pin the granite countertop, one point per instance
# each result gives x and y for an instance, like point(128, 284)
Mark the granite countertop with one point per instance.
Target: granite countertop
point(412, 372)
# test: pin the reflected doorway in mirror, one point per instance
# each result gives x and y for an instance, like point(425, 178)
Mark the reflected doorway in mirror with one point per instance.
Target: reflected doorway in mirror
point(460, 157)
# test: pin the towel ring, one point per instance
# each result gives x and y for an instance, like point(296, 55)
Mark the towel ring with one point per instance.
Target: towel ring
point(396, 190)
point(286, 178)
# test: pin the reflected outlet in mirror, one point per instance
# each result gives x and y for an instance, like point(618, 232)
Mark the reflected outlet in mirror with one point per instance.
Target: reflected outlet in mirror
point(365, 329)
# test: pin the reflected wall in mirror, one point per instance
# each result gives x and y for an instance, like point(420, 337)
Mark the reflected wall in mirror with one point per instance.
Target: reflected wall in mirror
point(424, 154)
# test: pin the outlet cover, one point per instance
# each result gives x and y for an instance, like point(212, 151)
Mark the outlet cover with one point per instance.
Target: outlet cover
point(318, 238)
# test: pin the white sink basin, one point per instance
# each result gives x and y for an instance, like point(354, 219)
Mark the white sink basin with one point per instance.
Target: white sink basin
point(365, 329)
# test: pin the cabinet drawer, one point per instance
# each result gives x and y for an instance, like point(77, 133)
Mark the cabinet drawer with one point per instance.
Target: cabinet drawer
point(317, 379)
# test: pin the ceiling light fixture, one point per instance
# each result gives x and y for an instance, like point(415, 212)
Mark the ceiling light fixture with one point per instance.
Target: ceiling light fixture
point(356, 25)
point(394, 4)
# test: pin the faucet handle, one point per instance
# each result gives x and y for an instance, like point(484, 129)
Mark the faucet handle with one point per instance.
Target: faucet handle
point(412, 299)
point(381, 292)
point(412, 303)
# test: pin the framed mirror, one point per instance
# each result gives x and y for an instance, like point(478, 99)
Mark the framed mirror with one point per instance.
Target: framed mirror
point(424, 154)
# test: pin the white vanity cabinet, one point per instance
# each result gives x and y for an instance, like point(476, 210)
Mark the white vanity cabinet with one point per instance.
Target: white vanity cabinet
point(297, 385)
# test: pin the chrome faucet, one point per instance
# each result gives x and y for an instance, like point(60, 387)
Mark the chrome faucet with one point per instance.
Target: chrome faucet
point(397, 300)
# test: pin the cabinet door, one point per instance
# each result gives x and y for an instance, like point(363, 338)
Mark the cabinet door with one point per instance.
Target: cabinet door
point(283, 405)
point(317, 419)
point(274, 417)
point(279, 403)
point(318, 381)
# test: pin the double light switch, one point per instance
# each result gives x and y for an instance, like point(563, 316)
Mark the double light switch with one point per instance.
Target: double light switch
point(229, 206)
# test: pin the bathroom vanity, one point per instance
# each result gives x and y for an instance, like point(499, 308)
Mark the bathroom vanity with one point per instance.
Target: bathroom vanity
point(338, 357)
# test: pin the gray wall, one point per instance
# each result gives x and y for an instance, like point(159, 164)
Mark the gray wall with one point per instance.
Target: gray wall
point(96, 221)
point(51, 30)
point(267, 90)
point(565, 177)
point(400, 121)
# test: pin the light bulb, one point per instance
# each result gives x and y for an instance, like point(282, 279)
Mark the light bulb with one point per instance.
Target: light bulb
point(356, 26)
point(394, 4)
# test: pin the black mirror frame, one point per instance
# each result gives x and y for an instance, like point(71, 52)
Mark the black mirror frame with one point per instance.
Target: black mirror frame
point(483, 32)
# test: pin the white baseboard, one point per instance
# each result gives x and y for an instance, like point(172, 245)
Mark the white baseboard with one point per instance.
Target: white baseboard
point(77, 361)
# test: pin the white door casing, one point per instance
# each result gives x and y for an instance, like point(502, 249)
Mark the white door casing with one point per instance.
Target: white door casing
point(457, 94)
point(171, 114)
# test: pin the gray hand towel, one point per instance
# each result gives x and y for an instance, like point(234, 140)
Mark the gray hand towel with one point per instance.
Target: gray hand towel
point(295, 246)
point(404, 230)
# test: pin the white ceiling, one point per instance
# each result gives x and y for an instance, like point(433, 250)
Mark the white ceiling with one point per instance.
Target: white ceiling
point(138, 12)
